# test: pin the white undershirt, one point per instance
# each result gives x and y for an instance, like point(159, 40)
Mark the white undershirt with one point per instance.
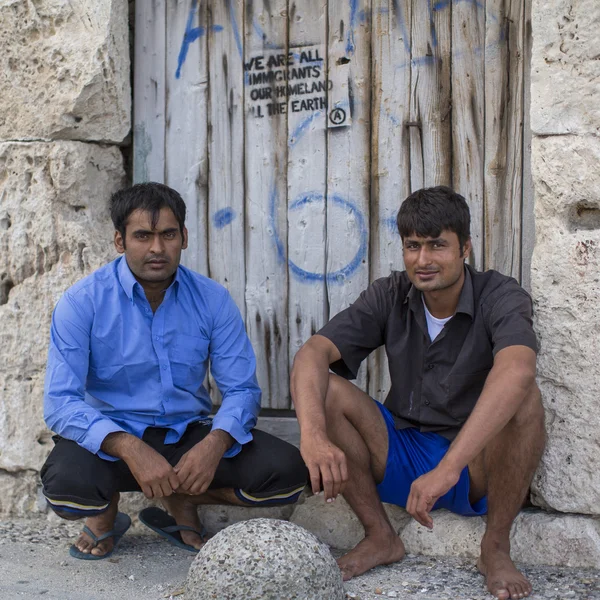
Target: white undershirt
point(434, 325)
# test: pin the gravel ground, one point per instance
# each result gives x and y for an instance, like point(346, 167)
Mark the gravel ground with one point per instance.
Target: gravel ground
point(34, 563)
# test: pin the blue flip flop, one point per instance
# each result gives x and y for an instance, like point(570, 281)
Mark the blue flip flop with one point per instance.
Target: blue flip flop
point(122, 524)
point(165, 525)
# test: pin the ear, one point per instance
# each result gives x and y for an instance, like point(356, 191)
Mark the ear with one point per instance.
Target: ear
point(467, 249)
point(184, 245)
point(119, 242)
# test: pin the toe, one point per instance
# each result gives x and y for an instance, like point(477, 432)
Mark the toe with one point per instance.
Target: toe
point(502, 594)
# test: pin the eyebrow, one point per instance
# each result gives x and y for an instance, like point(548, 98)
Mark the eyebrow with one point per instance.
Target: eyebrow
point(433, 241)
point(150, 232)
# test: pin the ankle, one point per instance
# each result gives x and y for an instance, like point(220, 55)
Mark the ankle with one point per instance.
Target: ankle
point(493, 543)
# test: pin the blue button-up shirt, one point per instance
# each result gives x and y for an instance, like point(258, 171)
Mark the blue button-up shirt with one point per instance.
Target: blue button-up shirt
point(113, 365)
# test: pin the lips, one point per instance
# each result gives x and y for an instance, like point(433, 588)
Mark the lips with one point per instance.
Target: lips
point(156, 263)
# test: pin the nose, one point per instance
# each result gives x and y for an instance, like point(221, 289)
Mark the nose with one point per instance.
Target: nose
point(157, 246)
point(424, 258)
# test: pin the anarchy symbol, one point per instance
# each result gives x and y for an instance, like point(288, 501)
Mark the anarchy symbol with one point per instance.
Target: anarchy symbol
point(337, 116)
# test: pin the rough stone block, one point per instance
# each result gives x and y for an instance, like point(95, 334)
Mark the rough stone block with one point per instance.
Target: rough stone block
point(335, 524)
point(565, 71)
point(565, 282)
point(54, 230)
point(540, 538)
point(64, 70)
point(452, 535)
point(19, 493)
point(264, 559)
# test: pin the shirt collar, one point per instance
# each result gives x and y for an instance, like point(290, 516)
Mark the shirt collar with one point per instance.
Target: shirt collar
point(466, 302)
point(128, 281)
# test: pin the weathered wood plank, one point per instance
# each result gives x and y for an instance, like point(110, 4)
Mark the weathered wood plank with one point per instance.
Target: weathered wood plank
point(265, 146)
point(503, 134)
point(468, 41)
point(348, 158)
point(186, 160)
point(149, 91)
point(390, 154)
point(430, 112)
point(528, 221)
point(307, 176)
point(226, 149)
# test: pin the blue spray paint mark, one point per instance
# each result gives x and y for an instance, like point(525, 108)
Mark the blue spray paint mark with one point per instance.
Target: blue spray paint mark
point(350, 46)
point(263, 36)
point(302, 127)
point(217, 28)
point(335, 277)
point(402, 25)
point(236, 31)
point(191, 35)
point(390, 224)
point(223, 217)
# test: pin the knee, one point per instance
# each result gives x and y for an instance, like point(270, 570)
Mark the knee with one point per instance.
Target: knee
point(531, 411)
point(334, 400)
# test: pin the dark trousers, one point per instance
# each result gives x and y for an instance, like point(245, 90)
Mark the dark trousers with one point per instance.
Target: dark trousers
point(266, 471)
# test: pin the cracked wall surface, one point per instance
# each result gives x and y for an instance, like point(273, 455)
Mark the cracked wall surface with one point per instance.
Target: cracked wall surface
point(64, 70)
point(64, 93)
point(565, 117)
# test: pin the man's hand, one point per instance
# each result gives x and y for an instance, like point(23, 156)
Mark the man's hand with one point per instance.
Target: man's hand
point(156, 476)
point(425, 491)
point(326, 464)
point(197, 466)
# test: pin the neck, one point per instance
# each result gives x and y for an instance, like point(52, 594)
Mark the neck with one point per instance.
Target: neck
point(442, 303)
point(154, 290)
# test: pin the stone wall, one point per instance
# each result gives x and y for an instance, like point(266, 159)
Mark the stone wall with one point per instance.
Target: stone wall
point(64, 97)
point(565, 118)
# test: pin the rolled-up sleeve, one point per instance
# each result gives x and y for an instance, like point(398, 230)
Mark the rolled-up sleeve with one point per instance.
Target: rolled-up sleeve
point(233, 365)
point(65, 410)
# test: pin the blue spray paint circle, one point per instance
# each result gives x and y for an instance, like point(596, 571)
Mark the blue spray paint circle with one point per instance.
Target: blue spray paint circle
point(339, 276)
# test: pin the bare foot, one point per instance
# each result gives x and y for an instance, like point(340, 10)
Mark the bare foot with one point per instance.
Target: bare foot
point(503, 579)
point(99, 526)
point(371, 552)
point(185, 513)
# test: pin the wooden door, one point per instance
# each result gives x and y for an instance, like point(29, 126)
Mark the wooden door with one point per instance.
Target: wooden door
point(294, 130)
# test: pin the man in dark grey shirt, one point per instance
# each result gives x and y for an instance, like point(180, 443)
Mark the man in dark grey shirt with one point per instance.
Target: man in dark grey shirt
point(462, 427)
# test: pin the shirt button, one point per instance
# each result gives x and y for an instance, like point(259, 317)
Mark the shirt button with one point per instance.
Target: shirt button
point(430, 366)
point(427, 402)
point(157, 338)
point(164, 367)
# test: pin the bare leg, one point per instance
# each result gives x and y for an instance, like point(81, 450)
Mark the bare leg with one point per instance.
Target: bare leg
point(356, 426)
point(510, 461)
point(184, 509)
point(99, 525)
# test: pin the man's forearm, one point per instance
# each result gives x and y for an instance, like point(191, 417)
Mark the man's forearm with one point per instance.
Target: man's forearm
point(120, 444)
point(308, 384)
point(500, 399)
point(220, 440)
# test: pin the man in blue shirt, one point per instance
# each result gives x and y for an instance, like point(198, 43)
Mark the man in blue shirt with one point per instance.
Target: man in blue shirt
point(129, 350)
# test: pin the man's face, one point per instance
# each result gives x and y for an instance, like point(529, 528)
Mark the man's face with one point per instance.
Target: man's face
point(434, 263)
point(152, 254)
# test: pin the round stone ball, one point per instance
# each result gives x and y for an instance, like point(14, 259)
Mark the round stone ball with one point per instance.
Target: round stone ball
point(264, 559)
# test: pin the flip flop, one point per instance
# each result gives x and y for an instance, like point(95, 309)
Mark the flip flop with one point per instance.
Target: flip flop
point(165, 525)
point(122, 524)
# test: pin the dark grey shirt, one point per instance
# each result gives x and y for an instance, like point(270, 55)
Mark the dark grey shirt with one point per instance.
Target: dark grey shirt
point(434, 385)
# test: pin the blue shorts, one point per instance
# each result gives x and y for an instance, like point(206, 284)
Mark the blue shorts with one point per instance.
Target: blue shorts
point(411, 454)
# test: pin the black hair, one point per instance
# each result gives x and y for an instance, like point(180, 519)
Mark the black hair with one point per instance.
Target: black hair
point(429, 211)
point(150, 197)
